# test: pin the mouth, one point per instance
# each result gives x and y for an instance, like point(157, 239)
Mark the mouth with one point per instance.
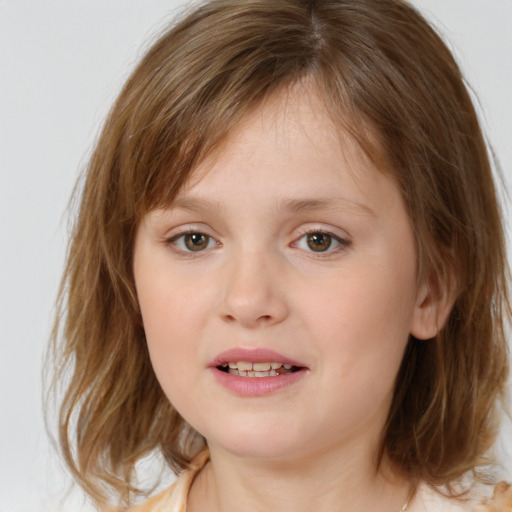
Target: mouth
point(257, 370)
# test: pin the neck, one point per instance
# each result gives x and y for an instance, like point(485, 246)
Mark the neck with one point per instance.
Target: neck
point(326, 482)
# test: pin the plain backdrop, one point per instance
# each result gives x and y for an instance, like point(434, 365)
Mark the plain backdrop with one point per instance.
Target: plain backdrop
point(62, 63)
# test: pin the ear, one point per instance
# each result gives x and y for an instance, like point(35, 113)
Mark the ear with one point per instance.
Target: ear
point(433, 304)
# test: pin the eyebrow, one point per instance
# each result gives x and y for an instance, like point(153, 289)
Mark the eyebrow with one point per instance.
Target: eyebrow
point(195, 204)
point(327, 203)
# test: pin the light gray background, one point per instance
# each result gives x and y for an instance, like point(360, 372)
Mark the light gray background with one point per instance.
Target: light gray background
point(61, 64)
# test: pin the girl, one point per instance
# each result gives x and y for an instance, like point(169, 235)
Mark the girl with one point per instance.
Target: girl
point(287, 274)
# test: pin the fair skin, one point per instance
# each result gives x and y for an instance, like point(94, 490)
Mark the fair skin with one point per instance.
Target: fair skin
point(287, 239)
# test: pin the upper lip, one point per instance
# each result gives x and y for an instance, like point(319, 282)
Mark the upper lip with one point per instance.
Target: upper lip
point(253, 355)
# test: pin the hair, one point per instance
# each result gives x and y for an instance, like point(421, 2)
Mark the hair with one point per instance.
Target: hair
point(389, 80)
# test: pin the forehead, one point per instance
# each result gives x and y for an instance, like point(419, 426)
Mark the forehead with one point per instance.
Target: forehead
point(288, 152)
point(291, 129)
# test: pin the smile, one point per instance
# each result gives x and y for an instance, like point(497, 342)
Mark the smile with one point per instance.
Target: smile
point(248, 369)
point(256, 372)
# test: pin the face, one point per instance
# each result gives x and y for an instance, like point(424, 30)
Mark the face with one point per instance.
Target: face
point(279, 290)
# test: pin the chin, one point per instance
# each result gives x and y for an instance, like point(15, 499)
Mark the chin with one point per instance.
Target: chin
point(255, 442)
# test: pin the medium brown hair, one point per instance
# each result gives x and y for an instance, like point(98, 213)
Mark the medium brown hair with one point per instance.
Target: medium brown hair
point(387, 77)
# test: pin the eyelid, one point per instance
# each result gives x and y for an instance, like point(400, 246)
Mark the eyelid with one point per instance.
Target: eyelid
point(341, 238)
point(344, 240)
point(171, 241)
point(188, 228)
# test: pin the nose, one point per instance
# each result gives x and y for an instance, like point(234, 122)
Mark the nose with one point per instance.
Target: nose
point(253, 291)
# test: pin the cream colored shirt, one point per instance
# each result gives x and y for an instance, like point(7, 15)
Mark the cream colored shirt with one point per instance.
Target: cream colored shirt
point(174, 498)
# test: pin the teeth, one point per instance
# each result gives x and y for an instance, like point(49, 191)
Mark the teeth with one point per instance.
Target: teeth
point(261, 367)
point(248, 369)
point(246, 366)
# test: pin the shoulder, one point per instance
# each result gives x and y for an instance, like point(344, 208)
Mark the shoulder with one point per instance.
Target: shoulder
point(501, 500)
point(158, 502)
point(481, 499)
point(174, 498)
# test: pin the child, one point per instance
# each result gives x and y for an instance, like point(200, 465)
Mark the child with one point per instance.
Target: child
point(288, 270)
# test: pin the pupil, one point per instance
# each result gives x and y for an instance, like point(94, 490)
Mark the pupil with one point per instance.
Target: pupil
point(196, 241)
point(319, 242)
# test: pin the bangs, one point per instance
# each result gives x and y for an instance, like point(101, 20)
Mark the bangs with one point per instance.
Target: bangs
point(174, 119)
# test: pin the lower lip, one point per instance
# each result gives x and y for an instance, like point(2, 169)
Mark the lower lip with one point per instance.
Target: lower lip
point(257, 386)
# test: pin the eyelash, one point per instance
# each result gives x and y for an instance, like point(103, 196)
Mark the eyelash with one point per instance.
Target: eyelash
point(342, 243)
point(174, 241)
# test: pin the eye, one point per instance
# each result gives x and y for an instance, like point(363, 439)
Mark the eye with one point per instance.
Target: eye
point(192, 242)
point(320, 242)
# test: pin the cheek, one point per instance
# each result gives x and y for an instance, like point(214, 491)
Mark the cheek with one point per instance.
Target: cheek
point(364, 323)
point(172, 303)
point(175, 310)
point(160, 307)
point(361, 334)
point(381, 305)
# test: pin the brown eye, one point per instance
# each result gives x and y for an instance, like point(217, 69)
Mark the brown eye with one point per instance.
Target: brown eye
point(323, 243)
point(319, 242)
point(192, 241)
point(196, 241)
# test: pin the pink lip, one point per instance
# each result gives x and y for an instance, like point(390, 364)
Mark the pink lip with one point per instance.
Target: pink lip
point(254, 355)
point(255, 386)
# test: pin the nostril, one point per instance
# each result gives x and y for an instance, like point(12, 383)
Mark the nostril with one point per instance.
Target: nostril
point(262, 318)
point(253, 311)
